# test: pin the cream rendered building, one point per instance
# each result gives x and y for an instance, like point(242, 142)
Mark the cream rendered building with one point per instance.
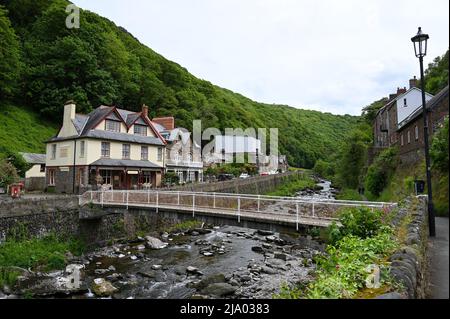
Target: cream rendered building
point(108, 148)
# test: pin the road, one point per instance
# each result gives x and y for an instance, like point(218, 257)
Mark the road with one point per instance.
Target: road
point(439, 260)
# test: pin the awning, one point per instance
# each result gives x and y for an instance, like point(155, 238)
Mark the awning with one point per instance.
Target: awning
point(125, 163)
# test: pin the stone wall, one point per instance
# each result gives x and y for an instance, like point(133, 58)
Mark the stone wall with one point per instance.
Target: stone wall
point(409, 265)
point(252, 185)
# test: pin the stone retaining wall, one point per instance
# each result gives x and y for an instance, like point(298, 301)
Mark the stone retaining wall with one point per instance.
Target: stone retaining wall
point(252, 185)
point(409, 263)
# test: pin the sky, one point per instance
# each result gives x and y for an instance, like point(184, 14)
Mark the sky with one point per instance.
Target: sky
point(331, 56)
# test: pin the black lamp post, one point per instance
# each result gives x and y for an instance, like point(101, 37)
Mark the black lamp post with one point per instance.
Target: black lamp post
point(420, 48)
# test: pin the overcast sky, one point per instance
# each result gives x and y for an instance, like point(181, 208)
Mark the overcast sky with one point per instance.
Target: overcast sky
point(328, 55)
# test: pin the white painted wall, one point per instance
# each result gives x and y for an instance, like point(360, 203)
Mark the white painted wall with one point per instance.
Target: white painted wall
point(35, 171)
point(413, 102)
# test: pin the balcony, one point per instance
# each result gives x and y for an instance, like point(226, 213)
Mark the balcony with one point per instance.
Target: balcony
point(184, 163)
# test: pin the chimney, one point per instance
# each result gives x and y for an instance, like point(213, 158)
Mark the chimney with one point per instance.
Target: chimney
point(401, 91)
point(413, 83)
point(69, 112)
point(168, 122)
point(145, 110)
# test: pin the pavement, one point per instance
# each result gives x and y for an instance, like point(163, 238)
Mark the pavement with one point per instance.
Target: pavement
point(439, 260)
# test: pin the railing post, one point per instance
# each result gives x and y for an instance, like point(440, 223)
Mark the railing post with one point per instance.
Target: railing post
point(91, 195)
point(102, 197)
point(178, 198)
point(123, 197)
point(193, 205)
point(157, 202)
point(239, 209)
point(148, 195)
point(296, 222)
point(259, 202)
point(313, 210)
point(214, 200)
point(128, 192)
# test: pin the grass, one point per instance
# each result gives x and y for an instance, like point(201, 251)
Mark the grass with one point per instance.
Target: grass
point(293, 186)
point(13, 135)
point(349, 194)
point(40, 254)
point(184, 226)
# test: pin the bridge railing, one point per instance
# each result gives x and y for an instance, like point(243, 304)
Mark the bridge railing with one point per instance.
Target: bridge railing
point(278, 208)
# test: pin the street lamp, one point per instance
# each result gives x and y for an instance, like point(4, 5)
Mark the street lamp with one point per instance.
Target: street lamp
point(420, 49)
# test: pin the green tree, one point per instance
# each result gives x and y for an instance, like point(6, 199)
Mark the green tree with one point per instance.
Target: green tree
point(439, 149)
point(10, 65)
point(8, 173)
point(436, 75)
point(380, 171)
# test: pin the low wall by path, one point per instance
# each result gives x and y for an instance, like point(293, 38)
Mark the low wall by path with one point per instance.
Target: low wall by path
point(252, 185)
point(409, 264)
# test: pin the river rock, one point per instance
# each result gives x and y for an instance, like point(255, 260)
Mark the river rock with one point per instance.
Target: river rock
point(103, 288)
point(155, 243)
point(100, 271)
point(156, 267)
point(219, 290)
point(208, 254)
point(264, 232)
point(280, 256)
point(271, 238)
point(140, 247)
point(212, 279)
point(268, 270)
point(257, 249)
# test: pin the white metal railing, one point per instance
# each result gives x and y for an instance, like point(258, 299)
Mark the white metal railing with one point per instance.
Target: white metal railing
point(277, 208)
point(186, 163)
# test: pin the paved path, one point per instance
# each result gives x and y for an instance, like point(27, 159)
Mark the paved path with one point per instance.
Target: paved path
point(439, 260)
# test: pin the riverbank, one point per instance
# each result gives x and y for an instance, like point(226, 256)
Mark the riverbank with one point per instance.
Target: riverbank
point(206, 262)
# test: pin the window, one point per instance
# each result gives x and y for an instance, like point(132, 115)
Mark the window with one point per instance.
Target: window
point(140, 130)
point(409, 137)
point(53, 151)
point(126, 151)
point(64, 152)
point(51, 177)
point(147, 178)
point(42, 169)
point(402, 142)
point(416, 132)
point(113, 126)
point(82, 148)
point(105, 149)
point(404, 103)
point(160, 150)
point(144, 153)
point(81, 176)
point(106, 176)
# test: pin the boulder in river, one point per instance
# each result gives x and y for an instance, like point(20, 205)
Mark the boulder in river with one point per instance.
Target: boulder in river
point(257, 249)
point(212, 279)
point(103, 288)
point(155, 243)
point(264, 232)
point(220, 289)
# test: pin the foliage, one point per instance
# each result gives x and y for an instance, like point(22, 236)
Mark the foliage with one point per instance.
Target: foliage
point(369, 112)
point(43, 254)
point(349, 194)
point(436, 75)
point(324, 169)
point(381, 170)
point(439, 148)
point(184, 226)
point(235, 169)
point(101, 63)
point(8, 173)
point(292, 186)
point(353, 156)
point(170, 178)
point(10, 57)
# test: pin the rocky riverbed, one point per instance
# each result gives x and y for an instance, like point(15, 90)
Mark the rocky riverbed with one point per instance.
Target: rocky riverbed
point(209, 262)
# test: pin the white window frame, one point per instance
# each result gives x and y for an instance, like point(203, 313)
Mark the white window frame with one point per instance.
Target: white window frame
point(402, 141)
point(51, 177)
point(144, 158)
point(82, 148)
point(126, 154)
point(108, 149)
point(160, 154)
point(112, 128)
point(142, 130)
point(53, 154)
point(409, 137)
point(416, 129)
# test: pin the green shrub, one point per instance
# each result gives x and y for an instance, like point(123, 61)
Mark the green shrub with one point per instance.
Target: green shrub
point(380, 171)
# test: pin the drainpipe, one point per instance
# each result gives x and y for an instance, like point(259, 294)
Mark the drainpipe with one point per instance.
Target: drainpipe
point(74, 162)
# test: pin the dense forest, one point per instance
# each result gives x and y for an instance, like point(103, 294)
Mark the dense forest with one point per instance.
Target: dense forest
point(43, 64)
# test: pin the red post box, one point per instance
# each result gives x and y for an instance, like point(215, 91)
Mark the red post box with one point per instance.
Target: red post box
point(15, 190)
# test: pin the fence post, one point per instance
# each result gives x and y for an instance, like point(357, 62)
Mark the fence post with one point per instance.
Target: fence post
point(91, 195)
point(193, 205)
point(214, 200)
point(296, 222)
point(157, 202)
point(102, 197)
point(148, 195)
point(128, 192)
point(259, 202)
point(239, 209)
point(178, 202)
point(123, 197)
point(313, 210)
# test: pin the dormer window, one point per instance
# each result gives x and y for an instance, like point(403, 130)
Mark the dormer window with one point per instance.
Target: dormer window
point(404, 103)
point(112, 126)
point(140, 130)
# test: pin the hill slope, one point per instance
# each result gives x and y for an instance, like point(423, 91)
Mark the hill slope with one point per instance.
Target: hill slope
point(101, 63)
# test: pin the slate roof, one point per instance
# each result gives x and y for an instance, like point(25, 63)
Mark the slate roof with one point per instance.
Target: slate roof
point(85, 124)
point(430, 105)
point(124, 163)
point(33, 158)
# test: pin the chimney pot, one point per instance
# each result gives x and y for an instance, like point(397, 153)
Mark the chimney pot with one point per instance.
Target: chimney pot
point(145, 110)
